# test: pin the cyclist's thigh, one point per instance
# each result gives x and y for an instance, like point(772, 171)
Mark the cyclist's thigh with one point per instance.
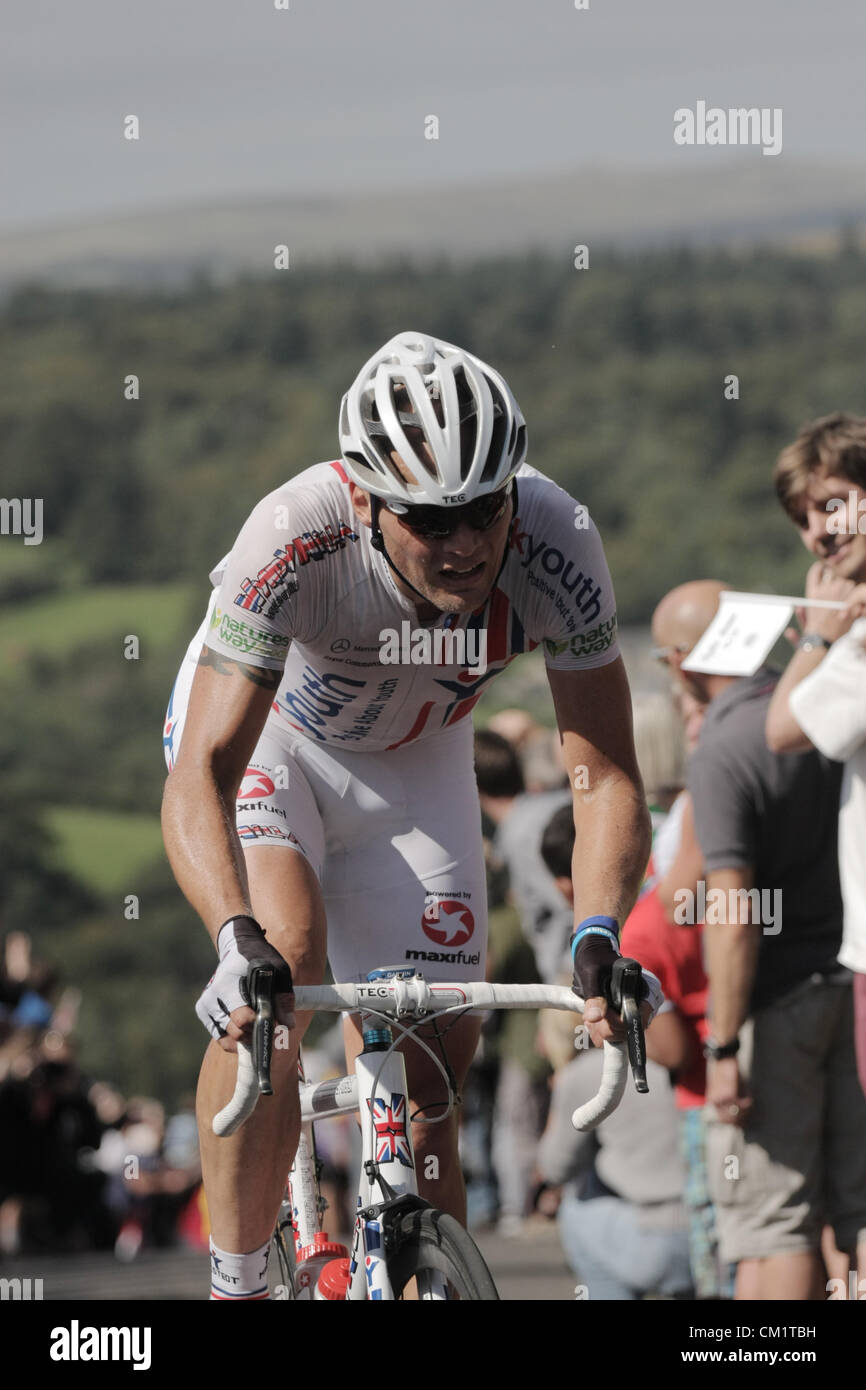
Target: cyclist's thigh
point(409, 888)
point(280, 829)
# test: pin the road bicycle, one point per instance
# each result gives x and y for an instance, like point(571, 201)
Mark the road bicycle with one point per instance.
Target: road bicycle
point(398, 1237)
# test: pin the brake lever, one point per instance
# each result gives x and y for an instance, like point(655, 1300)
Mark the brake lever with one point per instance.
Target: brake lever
point(260, 983)
point(626, 988)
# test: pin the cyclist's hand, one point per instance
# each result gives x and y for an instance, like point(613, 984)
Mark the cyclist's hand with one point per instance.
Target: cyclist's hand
point(727, 1091)
point(593, 962)
point(605, 1024)
point(223, 1006)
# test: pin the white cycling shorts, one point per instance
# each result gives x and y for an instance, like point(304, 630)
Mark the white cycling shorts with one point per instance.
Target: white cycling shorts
point(394, 839)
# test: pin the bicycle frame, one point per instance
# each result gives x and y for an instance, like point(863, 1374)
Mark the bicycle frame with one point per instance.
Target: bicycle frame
point(379, 1092)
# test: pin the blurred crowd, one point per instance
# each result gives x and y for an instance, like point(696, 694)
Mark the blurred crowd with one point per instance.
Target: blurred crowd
point(81, 1166)
point(743, 1172)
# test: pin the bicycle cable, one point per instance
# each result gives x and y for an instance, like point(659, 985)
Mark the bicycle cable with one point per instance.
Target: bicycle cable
point(453, 1089)
point(410, 1031)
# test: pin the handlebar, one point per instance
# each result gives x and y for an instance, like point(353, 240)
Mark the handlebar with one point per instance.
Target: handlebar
point(416, 998)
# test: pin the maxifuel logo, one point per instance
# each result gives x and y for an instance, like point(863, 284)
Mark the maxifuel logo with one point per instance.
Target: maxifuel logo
point(77, 1343)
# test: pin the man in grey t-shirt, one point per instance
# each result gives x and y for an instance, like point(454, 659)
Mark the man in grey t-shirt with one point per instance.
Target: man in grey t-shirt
point(787, 1152)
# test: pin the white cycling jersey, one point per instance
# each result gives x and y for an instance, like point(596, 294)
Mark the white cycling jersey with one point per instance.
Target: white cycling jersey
point(394, 840)
point(304, 591)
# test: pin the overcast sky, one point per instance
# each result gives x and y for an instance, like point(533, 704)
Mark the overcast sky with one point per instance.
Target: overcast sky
point(236, 98)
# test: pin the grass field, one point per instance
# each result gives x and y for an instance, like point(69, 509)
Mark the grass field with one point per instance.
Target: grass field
point(105, 849)
point(157, 614)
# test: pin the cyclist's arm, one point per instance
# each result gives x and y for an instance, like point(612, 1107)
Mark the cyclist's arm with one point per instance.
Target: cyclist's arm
point(612, 823)
point(613, 835)
point(228, 706)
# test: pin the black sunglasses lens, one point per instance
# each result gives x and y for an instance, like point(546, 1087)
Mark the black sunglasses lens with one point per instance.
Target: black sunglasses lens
point(481, 514)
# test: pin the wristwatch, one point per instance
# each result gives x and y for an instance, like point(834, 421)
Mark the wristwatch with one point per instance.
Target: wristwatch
point(717, 1052)
point(811, 641)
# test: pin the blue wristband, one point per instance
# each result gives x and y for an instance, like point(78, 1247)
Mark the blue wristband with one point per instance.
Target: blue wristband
point(596, 926)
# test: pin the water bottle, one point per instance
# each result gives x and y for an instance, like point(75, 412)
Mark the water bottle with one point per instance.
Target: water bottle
point(312, 1261)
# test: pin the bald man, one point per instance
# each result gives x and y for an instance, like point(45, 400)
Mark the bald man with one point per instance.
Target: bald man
point(679, 621)
point(781, 1085)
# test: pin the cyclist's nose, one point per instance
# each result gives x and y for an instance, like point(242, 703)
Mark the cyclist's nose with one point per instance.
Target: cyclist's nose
point(465, 542)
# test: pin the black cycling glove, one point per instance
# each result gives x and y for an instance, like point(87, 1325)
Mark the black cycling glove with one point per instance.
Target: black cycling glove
point(594, 955)
point(239, 941)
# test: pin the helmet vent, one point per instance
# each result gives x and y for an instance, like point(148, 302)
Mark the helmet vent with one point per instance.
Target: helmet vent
point(498, 434)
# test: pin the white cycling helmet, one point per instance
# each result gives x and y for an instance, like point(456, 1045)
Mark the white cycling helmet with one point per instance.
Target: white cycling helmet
point(463, 409)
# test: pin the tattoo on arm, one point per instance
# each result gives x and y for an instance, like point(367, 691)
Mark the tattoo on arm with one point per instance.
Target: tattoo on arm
point(224, 666)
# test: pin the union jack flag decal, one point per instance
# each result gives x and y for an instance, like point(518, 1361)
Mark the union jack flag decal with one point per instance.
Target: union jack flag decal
point(389, 1122)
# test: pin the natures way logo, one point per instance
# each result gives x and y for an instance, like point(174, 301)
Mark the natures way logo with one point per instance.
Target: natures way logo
point(76, 1343)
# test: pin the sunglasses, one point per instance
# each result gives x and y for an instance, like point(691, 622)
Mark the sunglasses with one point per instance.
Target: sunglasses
point(437, 523)
point(664, 654)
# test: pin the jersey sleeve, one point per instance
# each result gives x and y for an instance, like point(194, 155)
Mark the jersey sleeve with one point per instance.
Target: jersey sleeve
point(572, 598)
point(252, 619)
point(830, 703)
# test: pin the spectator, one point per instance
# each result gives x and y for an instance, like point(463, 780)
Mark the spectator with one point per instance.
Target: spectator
point(820, 701)
point(519, 819)
point(46, 1180)
point(789, 1141)
point(674, 953)
point(621, 1218)
point(518, 942)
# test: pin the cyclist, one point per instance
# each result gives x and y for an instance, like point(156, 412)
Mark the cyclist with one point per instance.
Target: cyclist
point(320, 755)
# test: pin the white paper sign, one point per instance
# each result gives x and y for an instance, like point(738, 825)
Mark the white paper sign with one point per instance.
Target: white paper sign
point(745, 630)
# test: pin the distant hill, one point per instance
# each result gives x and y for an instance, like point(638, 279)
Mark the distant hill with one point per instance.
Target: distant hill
point(714, 202)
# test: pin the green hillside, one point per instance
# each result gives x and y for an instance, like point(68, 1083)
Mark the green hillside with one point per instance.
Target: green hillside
point(157, 614)
point(107, 850)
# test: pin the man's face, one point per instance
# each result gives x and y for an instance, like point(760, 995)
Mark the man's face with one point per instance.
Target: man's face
point(832, 532)
point(455, 574)
point(671, 652)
